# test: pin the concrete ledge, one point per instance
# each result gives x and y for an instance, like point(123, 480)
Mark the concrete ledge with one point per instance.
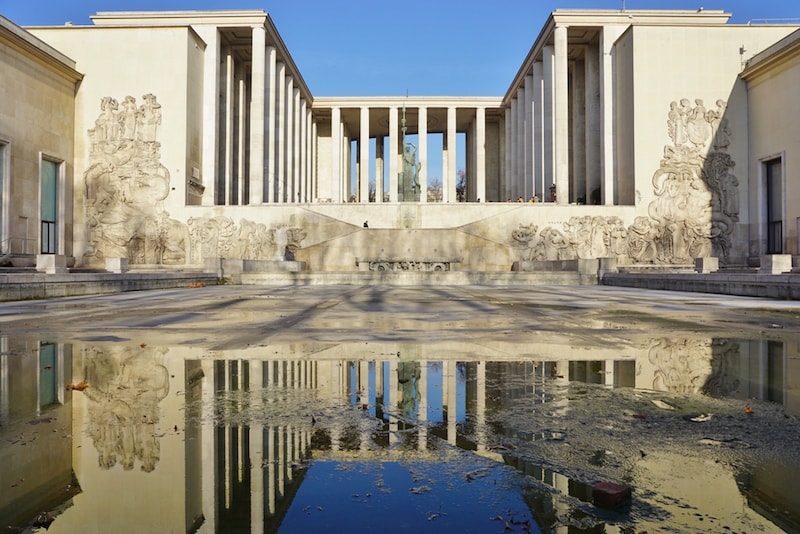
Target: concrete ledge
point(39, 285)
point(117, 265)
point(779, 286)
point(51, 263)
point(706, 265)
point(419, 278)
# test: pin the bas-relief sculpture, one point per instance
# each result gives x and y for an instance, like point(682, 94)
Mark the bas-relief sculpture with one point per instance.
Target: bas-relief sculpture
point(125, 188)
point(693, 215)
point(125, 389)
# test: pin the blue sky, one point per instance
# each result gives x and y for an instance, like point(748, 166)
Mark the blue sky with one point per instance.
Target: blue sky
point(378, 47)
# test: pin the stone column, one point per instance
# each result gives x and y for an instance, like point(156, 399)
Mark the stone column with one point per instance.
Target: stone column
point(480, 154)
point(257, 92)
point(313, 183)
point(303, 115)
point(363, 156)
point(592, 105)
point(529, 92)
point(422, 134)
point(505, 190)
point(548, 127)
point(230, 101)
point(578, 137)
point(379, 186)
point(538, 134)
point(561, 101)
point(393, 144)
point(256, 460)
point(607, 38)
point(450, 180)
point(295, 142)
point(519, 180)
point(336, 155)
point(210, 117)
point(289, 177)
point(241, 124)
point(280, 133)
point(515, 144)
point(270, 123)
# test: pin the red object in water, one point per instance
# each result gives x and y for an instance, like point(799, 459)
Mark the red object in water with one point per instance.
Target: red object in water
point(610, 495)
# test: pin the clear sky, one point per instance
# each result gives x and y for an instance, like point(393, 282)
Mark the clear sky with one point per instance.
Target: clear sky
point(380, 47)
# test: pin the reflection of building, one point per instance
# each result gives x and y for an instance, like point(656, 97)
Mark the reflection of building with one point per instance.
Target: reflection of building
point(36, 422)
point(221, 145)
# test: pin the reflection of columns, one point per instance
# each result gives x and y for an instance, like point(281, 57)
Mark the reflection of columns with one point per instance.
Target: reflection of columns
point(450, 179)
point(480, 156)
point(422, 416)
point(257, 92)
point(422, 136)
point(280, 133)
point(363, 156)
point(480, 406)
point(608, 369)
point(281, 461)
point(256, 456)
point(336, 155)
point(451, 388)
point(391, 402)
point(393, 147)
point(561, 112)
point(538, 122)
point(270, 124)
point(208, 442)
point(271, 497)
point(548, 128)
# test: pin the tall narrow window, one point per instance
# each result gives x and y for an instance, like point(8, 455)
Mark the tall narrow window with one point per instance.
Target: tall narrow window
point(49, 207)
point(774, 193)
point(48, 372)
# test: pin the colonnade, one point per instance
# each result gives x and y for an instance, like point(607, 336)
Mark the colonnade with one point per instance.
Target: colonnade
point(262, 149)
point(558, 122)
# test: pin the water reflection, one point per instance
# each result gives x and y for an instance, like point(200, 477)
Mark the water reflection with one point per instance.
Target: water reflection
point(252, 443)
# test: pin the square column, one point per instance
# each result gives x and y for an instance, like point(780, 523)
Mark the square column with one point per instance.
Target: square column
point(295, 142)
point(303, 115)
point(513, 140)
point(280, 133)
point(232, 185)
point(538, 133)
point(269, 127)
point(422, 135)
point(241, 123)
point(519, 179)
point(289, 143)
point(257, 93)
point(211, 63)
point(528, 124)
point(592, 105)
point(548, 118)
point(363, 156)
point(393, 147)
point(449, 178)
point(480, 154)
point(335, 184)
point(607, 38)
point(505, 188)
point(312, 157)
point(379, 186)
point(561, 112)
point(578, 135)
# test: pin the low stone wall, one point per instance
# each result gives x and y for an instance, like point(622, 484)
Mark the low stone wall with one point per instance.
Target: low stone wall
point(40, 286)
point(774, 286)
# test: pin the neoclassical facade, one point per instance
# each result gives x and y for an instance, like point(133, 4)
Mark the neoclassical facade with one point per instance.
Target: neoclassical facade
point(624, 134)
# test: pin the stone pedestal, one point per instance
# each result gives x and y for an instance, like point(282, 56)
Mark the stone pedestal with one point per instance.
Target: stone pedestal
point(117, 265)
point(607, 265)
point(51, 263)
point(706, 265)
point(775, 264)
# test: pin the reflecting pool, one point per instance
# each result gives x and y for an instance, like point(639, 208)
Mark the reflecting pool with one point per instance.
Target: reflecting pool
point(104, 434)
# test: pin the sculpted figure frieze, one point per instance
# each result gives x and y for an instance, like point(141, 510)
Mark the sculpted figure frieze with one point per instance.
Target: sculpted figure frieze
point(221, 237)
point(125, 188)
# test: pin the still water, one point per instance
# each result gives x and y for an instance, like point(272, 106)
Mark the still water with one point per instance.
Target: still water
point(106, 435)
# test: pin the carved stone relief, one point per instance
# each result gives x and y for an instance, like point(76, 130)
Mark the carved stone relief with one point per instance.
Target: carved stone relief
point(125, 186)
point(693, 215)
point(125, 390)
point(681, 366)
point(220, 237)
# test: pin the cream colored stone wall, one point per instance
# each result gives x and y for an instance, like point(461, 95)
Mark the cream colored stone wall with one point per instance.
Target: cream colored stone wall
point(775, 132)
point(36, 121)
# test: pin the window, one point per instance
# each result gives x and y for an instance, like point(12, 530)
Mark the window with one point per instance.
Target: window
point(48, 373)
point(49, 206)
point(773, 171)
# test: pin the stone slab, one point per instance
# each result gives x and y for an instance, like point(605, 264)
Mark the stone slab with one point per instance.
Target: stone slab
point(775, 264)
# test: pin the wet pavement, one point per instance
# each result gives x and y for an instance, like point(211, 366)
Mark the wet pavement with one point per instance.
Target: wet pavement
point(351, 409)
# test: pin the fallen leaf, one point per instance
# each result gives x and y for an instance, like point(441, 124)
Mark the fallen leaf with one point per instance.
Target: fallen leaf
point(747, 409)
point(142, 345)
point(80, 386)
point(663, 405)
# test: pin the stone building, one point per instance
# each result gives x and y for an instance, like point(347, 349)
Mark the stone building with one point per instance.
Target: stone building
point(196, 137)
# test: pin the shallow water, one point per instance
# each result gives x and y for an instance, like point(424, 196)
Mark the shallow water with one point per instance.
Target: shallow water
point(399, 437)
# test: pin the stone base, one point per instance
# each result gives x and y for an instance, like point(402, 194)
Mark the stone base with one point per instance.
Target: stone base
point(407, 265)
point(51, 263)
point(117, 265)
point(775, 264)
point(706, 265)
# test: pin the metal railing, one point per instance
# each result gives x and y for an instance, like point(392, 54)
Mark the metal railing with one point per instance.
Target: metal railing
point(17, 245)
